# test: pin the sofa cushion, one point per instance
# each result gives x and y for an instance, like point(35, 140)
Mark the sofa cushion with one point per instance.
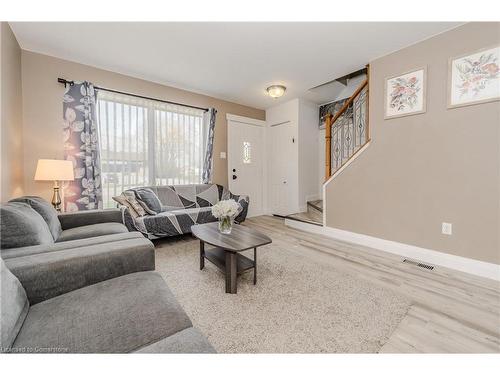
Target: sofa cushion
point(187, 194)
point(196, 213)
point(46, 210)
point(119, 315)
point(175, 208)
point(93, 230)
point(14, 306)
point(149, 198)
point(50, 274)
point(169, 198)
point(207, 195)
point(175, 222)
point(189, 340)
point(21, 225)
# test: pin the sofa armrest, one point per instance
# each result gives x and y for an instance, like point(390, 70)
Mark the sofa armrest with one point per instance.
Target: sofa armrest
point(48, 275)
point(66, 245)
point(244, 201)
point(81, 218)
point(128, 220)
point(240, 198)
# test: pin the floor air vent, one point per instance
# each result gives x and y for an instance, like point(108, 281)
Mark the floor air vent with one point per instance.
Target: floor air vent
point(415, 263)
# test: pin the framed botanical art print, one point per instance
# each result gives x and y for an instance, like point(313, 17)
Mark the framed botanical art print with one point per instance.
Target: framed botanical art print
point(405, 93)
point(474, 78)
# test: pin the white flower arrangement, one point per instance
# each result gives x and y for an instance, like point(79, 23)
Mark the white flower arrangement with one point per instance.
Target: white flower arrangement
point(226, 208)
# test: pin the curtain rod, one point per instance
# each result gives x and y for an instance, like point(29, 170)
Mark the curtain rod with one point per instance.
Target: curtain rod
point(71, 83)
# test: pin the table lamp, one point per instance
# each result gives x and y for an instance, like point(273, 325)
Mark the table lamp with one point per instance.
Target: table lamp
point(54, 170)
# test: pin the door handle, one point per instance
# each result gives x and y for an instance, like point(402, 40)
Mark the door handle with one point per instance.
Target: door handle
point(234, 177)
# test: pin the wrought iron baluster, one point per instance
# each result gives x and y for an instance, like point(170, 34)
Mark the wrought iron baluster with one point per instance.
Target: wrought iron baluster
point(349, 130)
point(354, 126)
point(337, 148)
point(350, 125)
point(342, 137)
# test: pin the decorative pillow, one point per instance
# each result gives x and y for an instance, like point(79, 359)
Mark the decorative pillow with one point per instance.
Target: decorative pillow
point(149, 198)
point(21, 226)
point(130, 196)
point(46, 210)
point(14, 305)
point(122, 199)
point(147, 209)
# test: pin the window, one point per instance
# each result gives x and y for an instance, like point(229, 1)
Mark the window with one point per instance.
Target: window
point(145, 142)
point(247, 155)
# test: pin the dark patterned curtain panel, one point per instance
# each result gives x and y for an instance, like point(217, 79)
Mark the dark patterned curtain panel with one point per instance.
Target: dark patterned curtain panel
point(208, 163)
point(81, 146)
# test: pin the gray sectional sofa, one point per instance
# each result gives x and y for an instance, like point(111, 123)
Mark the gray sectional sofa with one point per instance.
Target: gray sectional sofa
point(172, 210)
point(84, 284)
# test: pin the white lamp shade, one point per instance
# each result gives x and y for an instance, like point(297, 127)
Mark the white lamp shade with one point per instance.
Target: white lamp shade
point(54, 170)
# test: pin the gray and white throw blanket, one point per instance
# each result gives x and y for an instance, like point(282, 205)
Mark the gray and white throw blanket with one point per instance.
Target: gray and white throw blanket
point(172, 210)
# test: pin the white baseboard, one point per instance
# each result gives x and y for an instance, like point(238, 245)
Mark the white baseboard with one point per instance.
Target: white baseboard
point(437, 258)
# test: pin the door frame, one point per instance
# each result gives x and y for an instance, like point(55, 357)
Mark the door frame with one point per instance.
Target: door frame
point(234, 120)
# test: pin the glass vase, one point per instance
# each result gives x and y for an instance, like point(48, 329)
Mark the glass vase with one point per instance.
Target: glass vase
point(225, 224)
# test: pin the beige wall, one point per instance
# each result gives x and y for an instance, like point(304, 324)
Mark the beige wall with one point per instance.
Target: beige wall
point(421, 170)
point(11, 116)
point(42, 110)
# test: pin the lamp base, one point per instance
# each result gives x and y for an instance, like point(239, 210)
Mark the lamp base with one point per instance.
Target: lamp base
point(56, 199)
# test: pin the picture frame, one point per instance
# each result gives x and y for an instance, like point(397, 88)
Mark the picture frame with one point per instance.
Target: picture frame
point(474, 77)
point(405, 94)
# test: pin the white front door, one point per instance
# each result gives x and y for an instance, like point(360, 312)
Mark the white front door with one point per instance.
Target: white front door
point(246, 148)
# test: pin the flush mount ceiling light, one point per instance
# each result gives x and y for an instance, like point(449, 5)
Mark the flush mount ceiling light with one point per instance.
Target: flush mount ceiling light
point(276, 91)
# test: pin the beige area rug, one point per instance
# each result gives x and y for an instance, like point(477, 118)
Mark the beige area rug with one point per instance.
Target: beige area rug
point(299, 305)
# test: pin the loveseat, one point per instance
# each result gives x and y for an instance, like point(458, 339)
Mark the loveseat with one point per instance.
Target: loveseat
point(172, 210)
point(77, 293)
point(135, 312)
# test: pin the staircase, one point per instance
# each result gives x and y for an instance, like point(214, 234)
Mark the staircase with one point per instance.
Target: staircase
point(313, 215)
point(346, 132)
point(315, 210)
point(346, 136)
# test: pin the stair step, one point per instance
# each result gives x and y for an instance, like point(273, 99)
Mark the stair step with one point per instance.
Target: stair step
point(317, 205)
point(315, 210)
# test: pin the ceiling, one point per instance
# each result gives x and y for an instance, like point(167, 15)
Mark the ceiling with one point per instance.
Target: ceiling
point(231, 61)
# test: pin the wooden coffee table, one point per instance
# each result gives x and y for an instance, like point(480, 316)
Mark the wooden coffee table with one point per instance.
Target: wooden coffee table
point(227, 246)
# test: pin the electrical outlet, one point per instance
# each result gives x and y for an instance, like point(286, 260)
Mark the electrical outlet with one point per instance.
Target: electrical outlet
point(222, 155)
point(446, 228)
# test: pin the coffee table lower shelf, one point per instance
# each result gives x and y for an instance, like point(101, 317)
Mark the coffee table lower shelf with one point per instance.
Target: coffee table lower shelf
point(217, 256)
point(230, 263)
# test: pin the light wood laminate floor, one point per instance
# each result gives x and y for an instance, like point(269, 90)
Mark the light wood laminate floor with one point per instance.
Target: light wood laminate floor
point(451, 312)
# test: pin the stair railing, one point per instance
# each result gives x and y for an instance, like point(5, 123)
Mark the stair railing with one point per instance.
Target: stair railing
point(347, 131)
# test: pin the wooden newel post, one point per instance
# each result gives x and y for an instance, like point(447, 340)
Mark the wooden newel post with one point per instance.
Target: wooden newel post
point(328, 146)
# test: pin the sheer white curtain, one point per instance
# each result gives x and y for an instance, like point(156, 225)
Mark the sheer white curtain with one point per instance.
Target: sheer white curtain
point(180, 140)
point(145, 142)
